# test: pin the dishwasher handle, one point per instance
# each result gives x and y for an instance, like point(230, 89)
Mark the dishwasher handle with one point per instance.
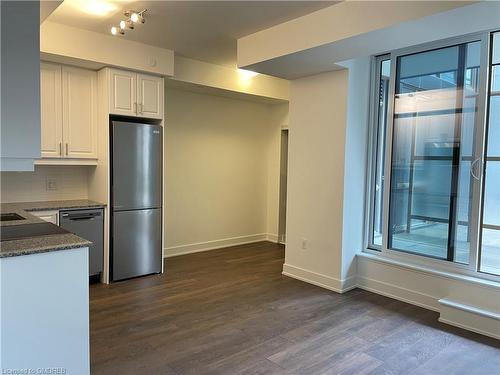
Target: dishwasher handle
point(81, 216)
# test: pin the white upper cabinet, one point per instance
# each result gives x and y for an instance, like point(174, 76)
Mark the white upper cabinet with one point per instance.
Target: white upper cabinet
point(51, 110)
point(123, 92)
point(149, 96)
point(79, 89)
point(68, 113)
point(137, 95)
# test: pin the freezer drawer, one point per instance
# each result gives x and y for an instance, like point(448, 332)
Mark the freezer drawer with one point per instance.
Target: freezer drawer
point(87, 224)
point(136, 243)
point(136, 166)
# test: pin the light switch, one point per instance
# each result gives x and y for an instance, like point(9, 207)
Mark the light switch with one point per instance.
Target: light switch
point(304, 244)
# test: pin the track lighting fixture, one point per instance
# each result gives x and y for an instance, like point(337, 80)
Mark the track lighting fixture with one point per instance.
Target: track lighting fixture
point(117, 31)
point(133, 17)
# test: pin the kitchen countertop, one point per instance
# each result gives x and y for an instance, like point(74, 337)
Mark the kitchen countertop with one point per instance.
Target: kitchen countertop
point(42, 244)
point(52, 205)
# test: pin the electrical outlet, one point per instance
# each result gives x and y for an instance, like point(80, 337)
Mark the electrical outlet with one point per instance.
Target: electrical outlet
point(304, 244)
point(51, 183)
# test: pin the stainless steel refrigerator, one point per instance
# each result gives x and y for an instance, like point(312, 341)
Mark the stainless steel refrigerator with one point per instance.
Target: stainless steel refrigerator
point(136, 197)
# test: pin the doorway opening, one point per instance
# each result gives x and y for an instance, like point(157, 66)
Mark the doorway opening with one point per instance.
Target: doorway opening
point(283, 187)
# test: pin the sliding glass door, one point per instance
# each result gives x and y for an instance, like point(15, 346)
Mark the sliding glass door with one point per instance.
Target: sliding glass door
point(434, 127)
point(490, 231)
point(434, 183)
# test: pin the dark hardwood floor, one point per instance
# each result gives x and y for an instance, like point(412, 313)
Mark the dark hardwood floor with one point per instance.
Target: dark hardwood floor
point(230, 311)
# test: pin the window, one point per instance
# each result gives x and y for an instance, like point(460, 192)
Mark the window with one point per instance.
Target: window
point(490, 228)
point(383, 70)
point(433, 133)
point(427, 196)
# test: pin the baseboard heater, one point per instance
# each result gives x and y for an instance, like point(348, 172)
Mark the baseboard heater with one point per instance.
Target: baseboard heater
point(480, 320)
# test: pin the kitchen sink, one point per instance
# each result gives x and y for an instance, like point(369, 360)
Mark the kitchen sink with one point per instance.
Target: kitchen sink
point(23, 231)
point(11, 216)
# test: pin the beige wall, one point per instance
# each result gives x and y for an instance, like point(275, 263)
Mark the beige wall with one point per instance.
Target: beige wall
point(72, 183)
point(315, 178)
point(232, 79)
point(217, 170)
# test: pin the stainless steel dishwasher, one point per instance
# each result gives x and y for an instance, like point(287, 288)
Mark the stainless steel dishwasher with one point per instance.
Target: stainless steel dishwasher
point(87, 224)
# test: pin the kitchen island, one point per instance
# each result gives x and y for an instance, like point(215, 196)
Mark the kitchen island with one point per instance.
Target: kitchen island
point(44, 308)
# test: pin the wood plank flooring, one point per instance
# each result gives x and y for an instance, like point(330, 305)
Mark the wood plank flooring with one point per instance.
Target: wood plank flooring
point(230, 311)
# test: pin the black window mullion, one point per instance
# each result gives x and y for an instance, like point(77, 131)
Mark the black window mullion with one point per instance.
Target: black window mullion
point(452, 225)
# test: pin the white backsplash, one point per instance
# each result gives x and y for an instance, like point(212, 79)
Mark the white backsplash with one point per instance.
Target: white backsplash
point(45, 183)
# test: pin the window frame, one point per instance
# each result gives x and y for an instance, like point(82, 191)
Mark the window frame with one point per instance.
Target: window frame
point(484, 163)
point(471, 269)
point(376, 65)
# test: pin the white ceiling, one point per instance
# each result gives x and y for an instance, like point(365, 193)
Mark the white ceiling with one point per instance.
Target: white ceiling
point(47, 7)
point(202, 30)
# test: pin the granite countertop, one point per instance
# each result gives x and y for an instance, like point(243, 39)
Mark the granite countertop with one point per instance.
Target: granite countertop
point(52, 205)
point(42, 244)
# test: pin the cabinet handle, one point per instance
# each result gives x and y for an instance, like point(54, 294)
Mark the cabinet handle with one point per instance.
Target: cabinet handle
point(140, 108)
point(60, 149)
point(135, 108)
point(66, 149)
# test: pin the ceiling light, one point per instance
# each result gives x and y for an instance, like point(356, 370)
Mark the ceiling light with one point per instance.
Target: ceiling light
point(133, 17)
point(129, 24)
point(117, 31)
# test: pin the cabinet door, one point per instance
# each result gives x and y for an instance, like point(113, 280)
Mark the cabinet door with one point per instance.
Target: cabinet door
point(79, 113)
point(51, 110)
point(122, 93)
point(149, 96)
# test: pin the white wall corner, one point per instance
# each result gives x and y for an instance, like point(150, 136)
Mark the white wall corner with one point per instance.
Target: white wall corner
point(315, 174)
point(355, 160)
point(272, 237)
point(323, 281)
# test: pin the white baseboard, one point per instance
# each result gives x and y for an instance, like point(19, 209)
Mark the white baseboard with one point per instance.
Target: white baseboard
point(173, 251)
point(396, 292)
point(469, 328)
point(324, 281)
point(272, 237)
